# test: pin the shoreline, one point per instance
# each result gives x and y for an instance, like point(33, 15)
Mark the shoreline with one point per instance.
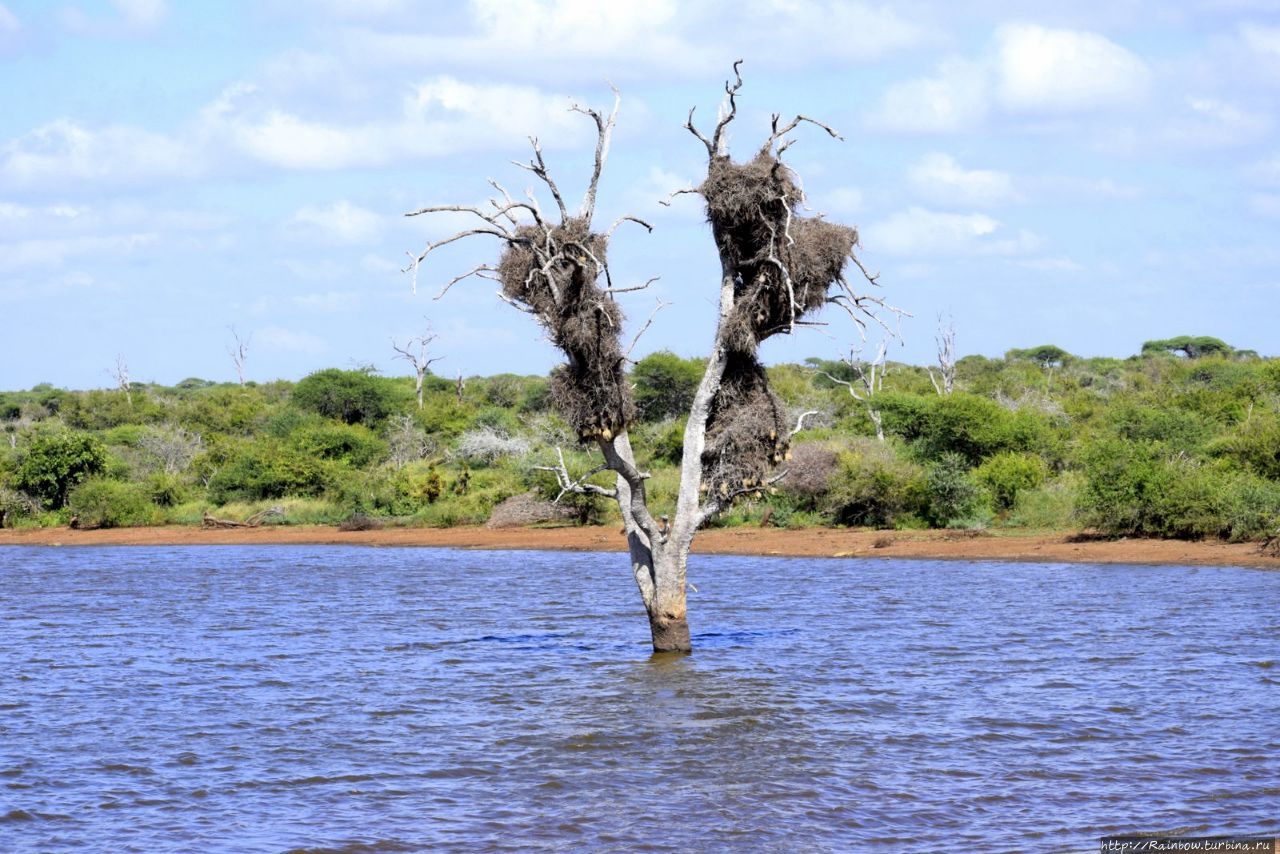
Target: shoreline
point(1057, 547)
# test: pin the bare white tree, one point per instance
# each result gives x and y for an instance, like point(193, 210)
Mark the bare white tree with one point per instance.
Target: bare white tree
point(777, 266)
point(239, 352)
point(407, 441)
point(121, 375)
point(867, 382)
point(415, 353)
point(945, 382)
point(172, 446)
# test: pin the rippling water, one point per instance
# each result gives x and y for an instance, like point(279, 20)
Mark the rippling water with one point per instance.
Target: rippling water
point(279, 698)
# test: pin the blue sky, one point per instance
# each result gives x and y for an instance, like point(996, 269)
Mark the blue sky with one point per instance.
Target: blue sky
point(1090, 177)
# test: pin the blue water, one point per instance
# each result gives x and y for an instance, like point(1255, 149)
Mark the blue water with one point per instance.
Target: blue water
point(356, 699)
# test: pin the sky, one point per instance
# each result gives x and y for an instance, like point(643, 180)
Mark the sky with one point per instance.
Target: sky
point(176, 174)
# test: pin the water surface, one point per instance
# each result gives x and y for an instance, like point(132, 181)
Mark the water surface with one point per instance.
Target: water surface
point(356, 699)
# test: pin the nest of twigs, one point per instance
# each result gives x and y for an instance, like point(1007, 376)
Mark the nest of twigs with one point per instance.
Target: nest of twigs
point(554, 271)
point(785, 266)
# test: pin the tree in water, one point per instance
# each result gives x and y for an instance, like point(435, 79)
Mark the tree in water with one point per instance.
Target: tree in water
point(777, 268)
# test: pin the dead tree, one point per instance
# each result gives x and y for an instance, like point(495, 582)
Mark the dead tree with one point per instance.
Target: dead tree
point(777, 267)
point(239, 352)
point(121, 375)
point(945, 382)
point(415, 353)
point(867, 382)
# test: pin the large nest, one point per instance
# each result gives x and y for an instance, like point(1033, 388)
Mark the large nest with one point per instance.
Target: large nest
point(784, 266)
point(784, 263)
point(554, 271)
point(746, 433)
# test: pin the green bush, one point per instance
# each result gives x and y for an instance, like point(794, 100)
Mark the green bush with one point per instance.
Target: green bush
point(1008, 473)
point(265, 470)
point(1253, 446)
point(1252, 510)
point(1051, 506)
point(1145, 489)
point(350, 444)
point(973, 427)
point(54, 463)
point(665, 385)
point(354, 397)
point(955, 498)
point(875, 486)
point(102, 503)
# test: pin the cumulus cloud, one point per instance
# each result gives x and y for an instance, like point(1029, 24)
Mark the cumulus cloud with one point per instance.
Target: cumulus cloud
point(66, 153)
point(1025, 70)
point(919, 231)
point(1065, 70)
point(341, 221)
point(953, 98)
point(939, 178)
point(642, 39)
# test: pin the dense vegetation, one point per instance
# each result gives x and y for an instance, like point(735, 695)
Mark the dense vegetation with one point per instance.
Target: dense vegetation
point(1182, 440)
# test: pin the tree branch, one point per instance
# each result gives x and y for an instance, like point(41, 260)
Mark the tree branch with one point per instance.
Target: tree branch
point(604, 131)
point(539, 167)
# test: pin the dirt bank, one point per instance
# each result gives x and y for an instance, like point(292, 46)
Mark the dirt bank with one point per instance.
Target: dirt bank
point(819, 542)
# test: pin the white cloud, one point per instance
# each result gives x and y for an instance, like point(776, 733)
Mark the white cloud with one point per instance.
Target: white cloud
point(918, 231)
point(64, 153)
point(954, 98)
point(57, 251)
point(632, 39)
point(133, 17)
point(939, 178)
point(1044, 69)
point(1263, 41)
point(340, 221)
point(440, 116)
point(287, 340)
point(141, 14)
point(1026, 69)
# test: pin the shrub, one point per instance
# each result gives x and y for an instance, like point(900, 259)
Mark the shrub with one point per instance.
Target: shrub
point(667, 444)
point(1143, 489)
point(1254, 446)
point(973, 427)
point(487, 445)
point(350, 444)
point(353, 397)
point(810, 473)
point(1252, 510)
point(101, 503)
point(1050, 506)
point(16, 506)
point(665, 385)
point(875, 486)
point(265, 470)
point(1006, 474)
point(54, 463)
point(954, 495)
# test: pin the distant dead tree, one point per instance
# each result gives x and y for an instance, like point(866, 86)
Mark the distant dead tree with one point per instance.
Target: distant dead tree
point(120, 373)
point(239, 352)
point(415, 353)
point(945, 382)
point(777, 268)
point(867, 382)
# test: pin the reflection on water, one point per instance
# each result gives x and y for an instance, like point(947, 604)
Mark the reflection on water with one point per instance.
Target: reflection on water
point(282, 698)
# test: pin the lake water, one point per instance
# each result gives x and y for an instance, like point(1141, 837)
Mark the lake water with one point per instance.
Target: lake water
point(357, 699)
